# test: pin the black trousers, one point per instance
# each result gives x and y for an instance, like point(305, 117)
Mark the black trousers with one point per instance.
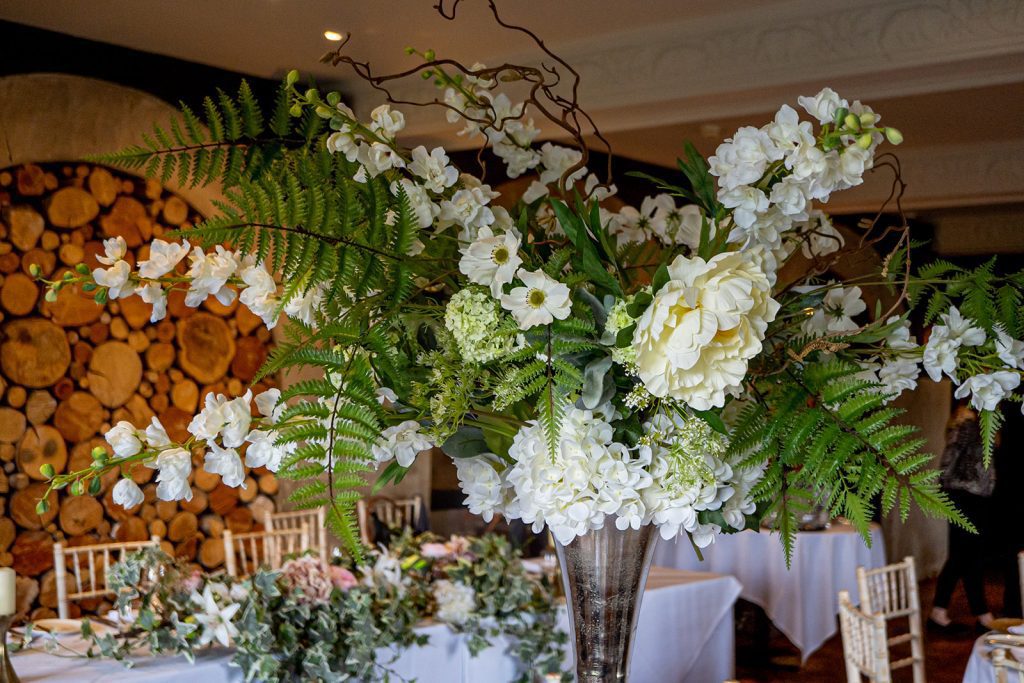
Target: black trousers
point(966, 560)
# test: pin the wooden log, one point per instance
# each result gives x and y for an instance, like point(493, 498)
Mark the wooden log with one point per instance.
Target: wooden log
point(46, 260)
point(12, 425)
point(206, 481)
point(166, 510)
point(73, 307)
point(80, 515)
point(81, 351)
point(78, 417)
point(211, 553)
point(70, 254)
point(26, 227)
point(17, 480)
point(248, 490)
point(16, 397)
point(188, 548)
point(114, 373)
point(185, 396)
point(182, 526)
point(26, 590)
point(103, 186)
point(250, 354)
point(175, 211)
point(9, 262)
point(119, 329)
point(71, 207)
point(148, 512)
point(131, 529)
point(246, 321)
point(159, 356)
point(99, 333)
point(198, 503)
point(212, 525)
point(42, 445)
point(239, 520)
point(159, 403)
point(136, 312)
point(50, 240)
point(65, 387)
point(48, 589)
point(19, 294)
point(206, 347)
point(217, 308)
point(33, 553)
point(158, 527)
point(268, 484)
point(166, 331)
point(176, 423)
point(138, 340)
point(139, 411)
point(7, 533)
point(223, 499)
point(261, 507)
point(23, 507)
point(127, 219)
point(31, 180)
point(35, 353)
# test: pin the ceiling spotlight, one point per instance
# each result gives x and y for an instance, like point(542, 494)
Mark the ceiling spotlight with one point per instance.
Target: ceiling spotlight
point(333, 36)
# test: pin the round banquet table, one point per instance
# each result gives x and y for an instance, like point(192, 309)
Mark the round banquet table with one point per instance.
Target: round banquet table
point(685, 635)
point(802, 601)
point(979, 666)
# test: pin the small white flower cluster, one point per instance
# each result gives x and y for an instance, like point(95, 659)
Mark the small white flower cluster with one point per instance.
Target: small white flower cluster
point(209, 274)
point(690, 475)
point(456, 601)
point(402, 442)
point(787, 149)
point(487, 491)
point(473, 319)
point(174, 464)
point(899, 371)
point(658, 218)
point(619, 319)
point(942, 357)
point(835, 314)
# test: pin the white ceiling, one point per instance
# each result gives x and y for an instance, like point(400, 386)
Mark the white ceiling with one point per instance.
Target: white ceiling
point(949, 73)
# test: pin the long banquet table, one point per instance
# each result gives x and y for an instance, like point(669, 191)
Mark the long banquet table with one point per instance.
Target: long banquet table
point(801, 601)
point(685, 635)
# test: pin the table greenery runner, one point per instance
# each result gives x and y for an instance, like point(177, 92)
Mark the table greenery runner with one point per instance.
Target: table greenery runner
point(690, 363)
point(314, 621)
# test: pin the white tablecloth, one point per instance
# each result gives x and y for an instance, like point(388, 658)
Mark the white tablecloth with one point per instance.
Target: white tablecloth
point(979, 666)
point(800, 601)
point(685, 635)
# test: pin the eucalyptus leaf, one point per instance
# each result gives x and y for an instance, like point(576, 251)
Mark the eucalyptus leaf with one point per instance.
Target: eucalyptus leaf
point(596, 376)
point(466, 443)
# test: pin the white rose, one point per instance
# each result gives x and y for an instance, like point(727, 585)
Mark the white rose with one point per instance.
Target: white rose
point(694, 340)
point(127, 494)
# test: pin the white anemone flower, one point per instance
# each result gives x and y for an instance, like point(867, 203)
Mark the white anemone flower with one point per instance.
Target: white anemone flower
point(491, 260)
point(542, 300)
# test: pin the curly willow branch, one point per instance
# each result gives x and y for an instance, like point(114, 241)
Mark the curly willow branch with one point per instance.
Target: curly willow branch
point(560, 109)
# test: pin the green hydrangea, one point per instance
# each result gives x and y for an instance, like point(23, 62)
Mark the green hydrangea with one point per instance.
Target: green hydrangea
point(618, 319)
point(474, 318)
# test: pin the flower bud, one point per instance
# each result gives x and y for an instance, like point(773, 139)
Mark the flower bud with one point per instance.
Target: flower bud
point(841, 113)
point(868, 119)
point(292, 78)
point(429, 55)
point(410, 50)
point(333, 98)
point(312, 95)
point(296, 110)
point(94, 486)
point(51, 295)
point(852, 122)
point(68, 276)
point(101, 296)
point(88, 286)
point(99, 452)
point(82, 269)
point(42, 506)
point(893, 135)
point(46, 469)
point(76, 488)
point(324, 112)
point(864, 141)
point(425, 75)
point(34, 270)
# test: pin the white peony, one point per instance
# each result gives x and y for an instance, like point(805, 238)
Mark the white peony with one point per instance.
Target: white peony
point(163, 258)
point(403, 442)
point(986, 391)
point(455, 601)
point(127, 493)
point(226, 463)
point(124, 439)
point(694, 340)
point(542, 300)
point(491, 260)
point(175, 466)
point(483, 485)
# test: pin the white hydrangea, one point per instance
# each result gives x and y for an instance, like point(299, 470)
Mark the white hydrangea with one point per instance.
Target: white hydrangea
point(619, 319)
point(473, 319)
point(486, 490)
point(455, 601)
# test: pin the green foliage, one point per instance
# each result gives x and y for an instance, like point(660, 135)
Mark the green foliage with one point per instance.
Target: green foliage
point(829, 438)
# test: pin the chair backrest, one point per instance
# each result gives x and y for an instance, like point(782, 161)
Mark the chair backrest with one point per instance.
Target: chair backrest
point(89, 565)
point(1007, 670)
point(891, 592)
point(865, 649)
point(1020, 575)
point(393, 513)
point(314, 519)
point(245, 553)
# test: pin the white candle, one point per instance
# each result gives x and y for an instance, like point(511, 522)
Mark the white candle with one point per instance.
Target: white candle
point(7, 591)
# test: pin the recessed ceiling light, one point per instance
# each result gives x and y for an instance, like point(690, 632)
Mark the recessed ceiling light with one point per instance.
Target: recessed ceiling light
point(333, 35)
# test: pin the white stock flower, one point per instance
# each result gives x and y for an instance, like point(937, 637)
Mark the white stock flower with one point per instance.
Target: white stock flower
point(820, 237)
point(163, 258)
point(766, 230)
point(127, 493)
point(403, 442)
point(790, 197)
point(491, 260)
point(237, 418)
point(837, 311)
point(743, 158)
point(473, 319)
point(787, 131)
point(433, 168)
point(694, 341)
point(540, 301)
point(556, 160)
point(824, 105)
point(124, 439)
point(1009, 350)
point(422, 205)
point(535, 191)
point(263, 452)
point(375, 158)
point(208, 423)
point(260, 293)
point(269, 404)
point(468, 209)
point(483, 485)
point(455, 601)
point(155, 295)
point(387, 120)
point(900, 338)
point(518, 160)
point(175, 466)
point(962, 330)
point(117, 279)
point(898, 375)
point(114, 250)
point(303, 307)
point(940, 354)
point(210, 273)
point(156, 435)
point(344, 142)
point(987, 390)
point(747, 203)
point(225, 462)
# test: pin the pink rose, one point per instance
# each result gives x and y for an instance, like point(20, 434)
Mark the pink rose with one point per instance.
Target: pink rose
point(342, 578)
point(192, 583)
point(434, 550)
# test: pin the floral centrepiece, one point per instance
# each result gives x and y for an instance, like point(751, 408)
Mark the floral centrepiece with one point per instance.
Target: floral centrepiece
point(688, 363)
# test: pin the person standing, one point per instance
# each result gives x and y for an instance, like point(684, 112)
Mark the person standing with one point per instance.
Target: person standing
point(969, 485)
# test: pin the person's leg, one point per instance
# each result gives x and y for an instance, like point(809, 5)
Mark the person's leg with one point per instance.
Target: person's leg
point(976, 552)
point(951, 572)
